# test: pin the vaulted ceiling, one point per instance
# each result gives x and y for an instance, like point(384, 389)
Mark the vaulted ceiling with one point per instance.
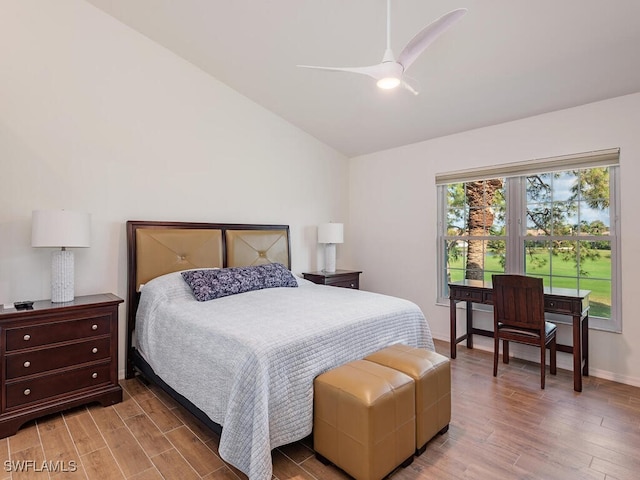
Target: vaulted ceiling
point(504, 60)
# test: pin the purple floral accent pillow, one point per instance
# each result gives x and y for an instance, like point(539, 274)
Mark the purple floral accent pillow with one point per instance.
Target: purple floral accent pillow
point(210, 284)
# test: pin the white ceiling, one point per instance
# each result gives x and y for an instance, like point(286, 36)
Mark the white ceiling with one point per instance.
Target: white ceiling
point(504, 60)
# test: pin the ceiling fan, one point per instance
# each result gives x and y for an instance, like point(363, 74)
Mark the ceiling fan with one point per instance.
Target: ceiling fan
point(389, 73)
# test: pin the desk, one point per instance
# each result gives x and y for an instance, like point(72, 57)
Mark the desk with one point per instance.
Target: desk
point(563, 301)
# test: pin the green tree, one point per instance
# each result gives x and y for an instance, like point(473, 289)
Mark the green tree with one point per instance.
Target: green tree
point(551, 217)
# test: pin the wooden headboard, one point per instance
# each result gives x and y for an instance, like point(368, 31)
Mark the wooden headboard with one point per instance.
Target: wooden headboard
point(156, 248)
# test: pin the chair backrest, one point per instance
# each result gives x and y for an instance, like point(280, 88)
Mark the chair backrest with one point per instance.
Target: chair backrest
point(518, 301)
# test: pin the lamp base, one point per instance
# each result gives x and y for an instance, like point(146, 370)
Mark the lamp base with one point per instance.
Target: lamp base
point(329, 257)
point(62, 284)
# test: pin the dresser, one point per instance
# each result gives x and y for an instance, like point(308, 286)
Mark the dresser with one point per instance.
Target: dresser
point(339, 278)
point(57, 356)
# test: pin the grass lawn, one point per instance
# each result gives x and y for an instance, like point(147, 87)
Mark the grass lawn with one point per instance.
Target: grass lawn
point(565, 275)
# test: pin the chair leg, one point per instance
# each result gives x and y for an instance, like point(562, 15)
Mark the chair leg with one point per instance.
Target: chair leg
point(496, 353)
point(543, 358)
point(505, 351)
point(552, 356)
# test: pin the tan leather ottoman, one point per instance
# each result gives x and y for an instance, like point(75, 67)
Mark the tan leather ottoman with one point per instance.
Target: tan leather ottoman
point(432, 374)
point(364, 419)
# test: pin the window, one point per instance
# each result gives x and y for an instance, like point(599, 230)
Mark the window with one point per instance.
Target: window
point(554, 219)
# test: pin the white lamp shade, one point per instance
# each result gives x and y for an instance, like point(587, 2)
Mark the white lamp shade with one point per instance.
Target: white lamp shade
point(60, 228)
point(331, 233)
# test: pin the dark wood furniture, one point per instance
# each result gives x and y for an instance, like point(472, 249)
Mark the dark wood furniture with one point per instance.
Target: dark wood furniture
point(57, 356)
point(562, 301)
point(518, 316)
point(339, 278)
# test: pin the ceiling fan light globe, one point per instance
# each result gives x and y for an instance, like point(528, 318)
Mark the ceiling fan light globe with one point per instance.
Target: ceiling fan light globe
point(388, 83)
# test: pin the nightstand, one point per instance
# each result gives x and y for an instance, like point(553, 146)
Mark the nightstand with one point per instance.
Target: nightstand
point(57, 356)
point(339, 278)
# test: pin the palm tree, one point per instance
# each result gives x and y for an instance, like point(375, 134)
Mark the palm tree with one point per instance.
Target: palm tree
point(480, 197)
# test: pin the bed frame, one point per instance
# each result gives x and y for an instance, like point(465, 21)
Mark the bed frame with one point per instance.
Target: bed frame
point(156, 248)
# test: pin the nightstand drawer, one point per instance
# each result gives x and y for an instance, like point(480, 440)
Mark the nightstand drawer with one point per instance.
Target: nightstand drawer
point(28, 391)
point(35, 335)
point(339, 278)
point(45, 359)
point(345, 283)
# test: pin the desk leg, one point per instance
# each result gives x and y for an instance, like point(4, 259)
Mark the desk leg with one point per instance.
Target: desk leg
point(469, 325)
point(452, 320)
point(577, 353)
point(585, 345)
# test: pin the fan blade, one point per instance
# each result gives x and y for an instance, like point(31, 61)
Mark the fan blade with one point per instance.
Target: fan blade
point(427, 35)
point(407, 86)
point(376, 71)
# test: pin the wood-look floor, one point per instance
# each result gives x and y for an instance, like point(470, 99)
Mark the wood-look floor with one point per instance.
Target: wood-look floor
point(504, 428)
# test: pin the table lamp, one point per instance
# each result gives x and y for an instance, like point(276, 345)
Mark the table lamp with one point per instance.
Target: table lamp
point(61, 229)
point(330, 234)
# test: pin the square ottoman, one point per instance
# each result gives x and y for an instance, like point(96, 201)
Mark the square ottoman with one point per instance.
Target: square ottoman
point(364, 419)
point(432, 375)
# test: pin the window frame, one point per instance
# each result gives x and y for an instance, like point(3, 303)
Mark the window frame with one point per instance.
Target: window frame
point(516, 226)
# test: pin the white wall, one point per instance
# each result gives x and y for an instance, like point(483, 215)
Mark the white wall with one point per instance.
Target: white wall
point(392, 219)
point(95, 117)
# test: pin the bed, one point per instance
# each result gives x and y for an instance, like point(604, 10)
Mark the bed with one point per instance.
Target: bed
point(244, 364)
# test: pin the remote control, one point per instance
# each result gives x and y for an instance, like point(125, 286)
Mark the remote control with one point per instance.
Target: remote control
point(24, 305)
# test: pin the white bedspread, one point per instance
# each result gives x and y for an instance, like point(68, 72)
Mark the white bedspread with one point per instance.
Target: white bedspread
point(248, 361)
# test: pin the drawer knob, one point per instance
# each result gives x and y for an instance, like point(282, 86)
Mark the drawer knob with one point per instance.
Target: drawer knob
point(27, 364)
point(27, 391)
point(27, 337)
point(94, 327)
point(94, 375)
point(551, 304)
point(94, 350)
point(353, 285)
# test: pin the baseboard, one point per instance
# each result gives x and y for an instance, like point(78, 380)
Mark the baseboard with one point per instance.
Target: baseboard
point(564, 360)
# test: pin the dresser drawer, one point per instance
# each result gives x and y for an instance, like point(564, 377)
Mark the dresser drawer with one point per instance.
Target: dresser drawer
point(46, 334)
point(44, 359)
point(28, 391)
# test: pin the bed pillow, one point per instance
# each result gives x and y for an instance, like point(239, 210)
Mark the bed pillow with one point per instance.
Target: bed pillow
point(210, 284)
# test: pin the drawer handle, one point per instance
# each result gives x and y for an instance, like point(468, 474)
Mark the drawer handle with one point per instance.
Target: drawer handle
point(468, 294)
point(27, 337)
point(27, 364)
point(551, 304)
point(94, 350)
point(27, 392)
point(94, 375)
point(94, 327)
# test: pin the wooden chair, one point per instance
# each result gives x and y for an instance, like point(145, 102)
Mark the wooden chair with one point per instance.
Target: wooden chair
point(518, 316)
